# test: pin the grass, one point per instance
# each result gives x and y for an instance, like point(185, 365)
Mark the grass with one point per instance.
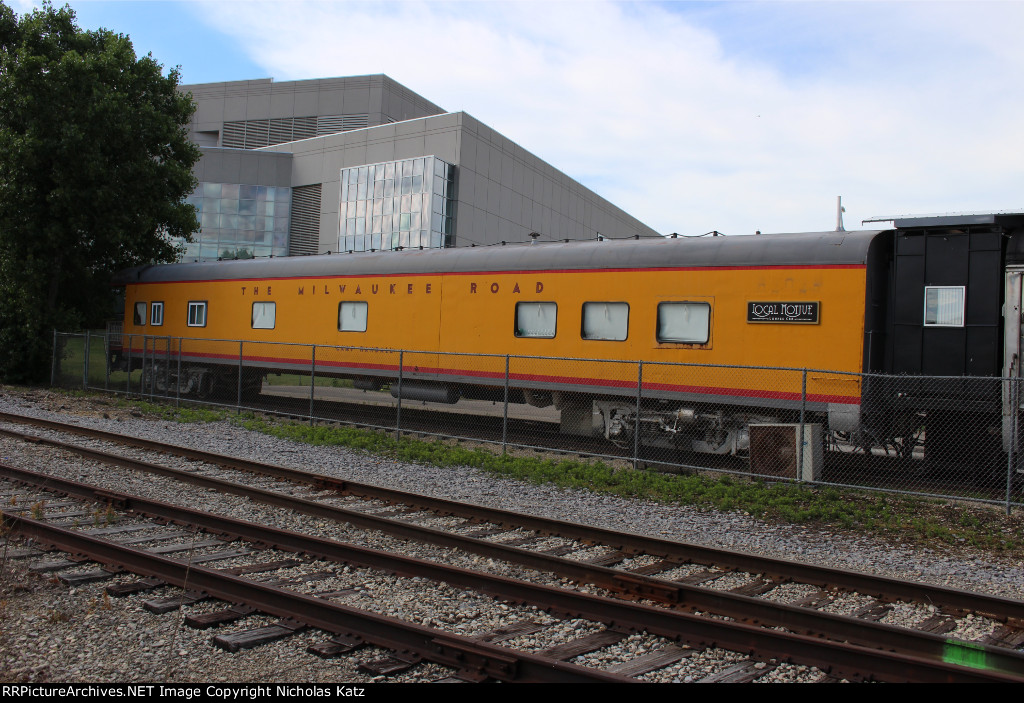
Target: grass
point(885, 515)
point(185, 413)
point(72, 360)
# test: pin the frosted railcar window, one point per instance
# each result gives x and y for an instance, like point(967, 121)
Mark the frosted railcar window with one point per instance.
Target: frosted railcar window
point(196, 314)
point(605, 321)
point(140, 314)
point(944, 306)
point(264, 316)
point(352, 316)
point(684, 323)
point(536, 319)
point(156, 314)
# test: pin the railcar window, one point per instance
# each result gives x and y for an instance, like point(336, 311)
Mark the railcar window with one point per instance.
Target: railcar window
point(156, 314)
point(608, 321)
point(264, 316)
point(536, 320)
point(139, 317)
point(944, 306)
point(197, 314)
point(352, 316)
point(684, 323)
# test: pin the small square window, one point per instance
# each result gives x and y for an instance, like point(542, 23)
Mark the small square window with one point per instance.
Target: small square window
point(197, 314)
point(264, 316)
point(608, 321)
point(537, 320)
point(156, 314)
point(684, 323)
point(944, 306)
point(352, 316)
point(139, 318)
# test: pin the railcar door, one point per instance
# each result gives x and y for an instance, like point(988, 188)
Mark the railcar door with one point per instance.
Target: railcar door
point(1013, 389)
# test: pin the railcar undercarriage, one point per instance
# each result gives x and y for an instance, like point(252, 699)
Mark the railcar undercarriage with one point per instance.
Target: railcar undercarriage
point(200, 381)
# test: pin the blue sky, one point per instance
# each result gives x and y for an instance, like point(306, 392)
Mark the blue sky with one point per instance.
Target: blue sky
point(176, 35)
point(692, 116)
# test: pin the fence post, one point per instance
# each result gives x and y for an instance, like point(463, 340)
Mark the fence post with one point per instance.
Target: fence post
point(636, 426)
point(238, 402)
point(177, 386)
point(312, 383)
point(801, 439)
point(398, 414)
point(153, 360)
point(1010, 453)
point(167, 370)
point(55, 362)
point(128, 363)
point(142, 374)
point(85, 360)
point(504, 418)
point(106, 360)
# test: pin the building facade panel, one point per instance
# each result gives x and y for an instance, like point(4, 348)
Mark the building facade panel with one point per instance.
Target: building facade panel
point(309, 135)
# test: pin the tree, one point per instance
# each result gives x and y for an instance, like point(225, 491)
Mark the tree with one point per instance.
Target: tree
point(95, 164)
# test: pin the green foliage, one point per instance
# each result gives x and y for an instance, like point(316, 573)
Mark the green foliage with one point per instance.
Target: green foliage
point(890, 517)
point(900, 517)
point(186, 413)
point(95, 163)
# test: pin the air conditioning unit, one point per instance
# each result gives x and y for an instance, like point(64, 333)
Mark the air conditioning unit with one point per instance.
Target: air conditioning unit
point(775, 450)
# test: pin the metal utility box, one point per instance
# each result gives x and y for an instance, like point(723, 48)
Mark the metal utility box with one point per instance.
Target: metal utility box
point(775, 451)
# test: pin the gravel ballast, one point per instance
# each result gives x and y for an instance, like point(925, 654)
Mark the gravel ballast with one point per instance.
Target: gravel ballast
point(53, 633)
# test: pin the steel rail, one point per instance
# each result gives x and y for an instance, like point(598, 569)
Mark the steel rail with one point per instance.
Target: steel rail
point(694, 598)
point(881, 587)
point(961, 661)
point(438, 646)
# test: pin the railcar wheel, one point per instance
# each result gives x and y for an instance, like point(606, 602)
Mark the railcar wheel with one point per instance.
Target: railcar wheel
point(252, 391)
point(204, 391)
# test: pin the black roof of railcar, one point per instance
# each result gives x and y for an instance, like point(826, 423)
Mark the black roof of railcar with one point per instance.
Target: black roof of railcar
point(803, 249)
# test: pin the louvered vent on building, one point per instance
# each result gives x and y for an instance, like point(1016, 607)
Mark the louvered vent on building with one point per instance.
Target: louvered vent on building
point(253, 134)
point(257, 133)
point(234, 135)
point(304, 235)
point(341, 123)
point(304, 128)
point(281, 131)
point(246, 134)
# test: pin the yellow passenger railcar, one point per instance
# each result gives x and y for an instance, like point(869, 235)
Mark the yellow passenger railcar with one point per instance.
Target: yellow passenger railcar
point(715, 322)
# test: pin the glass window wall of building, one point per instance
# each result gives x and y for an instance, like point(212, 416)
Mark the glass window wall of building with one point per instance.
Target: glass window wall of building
point(397, 204)
point(239, 221)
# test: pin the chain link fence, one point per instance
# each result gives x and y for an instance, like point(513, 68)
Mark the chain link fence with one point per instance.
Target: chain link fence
point(937, 436)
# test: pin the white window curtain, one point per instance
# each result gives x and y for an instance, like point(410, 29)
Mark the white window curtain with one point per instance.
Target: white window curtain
point(605, 321)
point(686, 323)
point(944, 306)
point(536, 319)
point(264, 316)
point(352, 316)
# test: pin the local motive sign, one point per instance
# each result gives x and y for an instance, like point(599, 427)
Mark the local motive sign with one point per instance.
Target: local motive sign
point(795, 312)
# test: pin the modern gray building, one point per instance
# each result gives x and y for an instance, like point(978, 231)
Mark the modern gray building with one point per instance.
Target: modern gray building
point(361, 163)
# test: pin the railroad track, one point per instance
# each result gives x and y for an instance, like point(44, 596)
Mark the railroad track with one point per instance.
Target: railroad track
point(648, 569)
point(472, 658)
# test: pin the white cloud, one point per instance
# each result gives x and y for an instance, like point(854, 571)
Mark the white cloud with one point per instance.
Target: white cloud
point(898, 107)
point(20, 7)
